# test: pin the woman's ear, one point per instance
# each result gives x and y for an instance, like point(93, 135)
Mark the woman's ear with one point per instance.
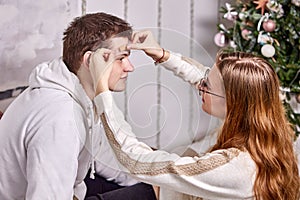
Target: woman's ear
point(86, 58)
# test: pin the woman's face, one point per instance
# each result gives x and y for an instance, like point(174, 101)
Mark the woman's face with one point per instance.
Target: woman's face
point(213, 94)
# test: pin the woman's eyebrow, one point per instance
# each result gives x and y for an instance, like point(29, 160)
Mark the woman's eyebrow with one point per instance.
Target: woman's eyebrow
point(207, 82)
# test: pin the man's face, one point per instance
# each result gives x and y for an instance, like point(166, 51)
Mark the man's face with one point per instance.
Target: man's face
point(121, 65)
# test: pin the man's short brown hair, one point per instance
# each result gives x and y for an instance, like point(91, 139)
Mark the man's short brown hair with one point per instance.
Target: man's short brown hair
point(86, 33)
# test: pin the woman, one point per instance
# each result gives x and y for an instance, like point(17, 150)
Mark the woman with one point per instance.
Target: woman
point(253, 156)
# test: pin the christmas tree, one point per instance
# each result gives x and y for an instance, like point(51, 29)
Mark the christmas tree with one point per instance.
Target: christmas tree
point(271, 29)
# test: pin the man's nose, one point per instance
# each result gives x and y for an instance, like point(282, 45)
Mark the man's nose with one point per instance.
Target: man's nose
point(128, 66)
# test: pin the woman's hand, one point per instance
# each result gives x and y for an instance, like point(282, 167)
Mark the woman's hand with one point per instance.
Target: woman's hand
point(100, 65)
point(145, 41)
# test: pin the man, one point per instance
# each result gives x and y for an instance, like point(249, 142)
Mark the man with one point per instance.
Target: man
point(50, 136)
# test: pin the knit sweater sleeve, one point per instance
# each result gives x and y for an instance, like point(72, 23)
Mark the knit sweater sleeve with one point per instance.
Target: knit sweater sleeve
point(217, 175)
point(185, 68)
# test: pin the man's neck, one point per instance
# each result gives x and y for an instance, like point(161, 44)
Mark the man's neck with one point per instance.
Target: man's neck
point(86, 81)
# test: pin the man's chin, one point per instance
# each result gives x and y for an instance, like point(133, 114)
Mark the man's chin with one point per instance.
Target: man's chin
point(117, 89)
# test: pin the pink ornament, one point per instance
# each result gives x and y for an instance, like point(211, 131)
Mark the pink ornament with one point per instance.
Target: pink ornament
point(246, 34)
point(298, 98)
point(220, 39)
point(269, 25)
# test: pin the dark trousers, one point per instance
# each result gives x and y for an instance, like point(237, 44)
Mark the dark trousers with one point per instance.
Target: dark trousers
point(101, 189)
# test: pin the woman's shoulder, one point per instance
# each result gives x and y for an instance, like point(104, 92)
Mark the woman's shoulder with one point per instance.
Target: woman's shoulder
point(233, 158)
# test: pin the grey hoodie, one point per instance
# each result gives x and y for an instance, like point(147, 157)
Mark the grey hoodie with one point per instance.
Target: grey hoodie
point(48, 140)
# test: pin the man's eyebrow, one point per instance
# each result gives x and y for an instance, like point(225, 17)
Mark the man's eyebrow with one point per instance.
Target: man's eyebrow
point(123, 53)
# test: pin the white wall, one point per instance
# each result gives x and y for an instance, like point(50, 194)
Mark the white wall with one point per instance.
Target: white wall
point(31, 32)
point(142, 85)
point(176, 96)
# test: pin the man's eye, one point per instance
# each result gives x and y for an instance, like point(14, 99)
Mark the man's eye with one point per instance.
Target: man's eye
point(120, 58)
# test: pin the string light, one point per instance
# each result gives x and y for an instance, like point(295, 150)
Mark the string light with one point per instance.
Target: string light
point(83, 7)
point(158, 78)
point(125, 91)
point(191, 97)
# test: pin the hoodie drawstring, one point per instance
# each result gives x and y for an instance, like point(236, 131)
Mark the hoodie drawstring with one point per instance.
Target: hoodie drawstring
point(91, 133)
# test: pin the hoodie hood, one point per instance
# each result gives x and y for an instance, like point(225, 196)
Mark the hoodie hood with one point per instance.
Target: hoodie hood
point(55, 74)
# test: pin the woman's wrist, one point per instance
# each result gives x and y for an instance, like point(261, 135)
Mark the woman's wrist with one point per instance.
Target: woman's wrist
point(101, 88)
point(162, 56)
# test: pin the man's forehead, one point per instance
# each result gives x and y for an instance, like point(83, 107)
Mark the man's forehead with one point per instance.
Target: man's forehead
point(119, 43)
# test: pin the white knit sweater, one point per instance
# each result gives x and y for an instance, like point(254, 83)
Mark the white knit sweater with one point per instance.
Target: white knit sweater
point(222, 174)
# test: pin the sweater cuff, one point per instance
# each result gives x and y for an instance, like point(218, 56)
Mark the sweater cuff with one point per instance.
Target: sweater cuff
point(173, 60)
point(103, 101)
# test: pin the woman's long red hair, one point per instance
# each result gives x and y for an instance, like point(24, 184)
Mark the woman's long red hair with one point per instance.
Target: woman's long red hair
point(256, 122)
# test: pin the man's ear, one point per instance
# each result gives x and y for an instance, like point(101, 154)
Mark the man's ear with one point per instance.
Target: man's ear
point(86, 58)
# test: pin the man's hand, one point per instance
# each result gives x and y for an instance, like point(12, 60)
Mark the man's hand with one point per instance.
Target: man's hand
point(144, 40)
point(101, 63)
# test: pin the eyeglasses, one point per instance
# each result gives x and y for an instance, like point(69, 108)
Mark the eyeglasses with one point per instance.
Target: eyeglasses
point(203, 87)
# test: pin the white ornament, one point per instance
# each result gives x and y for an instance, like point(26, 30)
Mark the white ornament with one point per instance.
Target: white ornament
point(296, 2)
point(264, 38)
point(231, 14)
point(282, 93)
point(273, 6)
point(268, 50)
point(243, 16)
point(282, 96)
point(232, 44)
